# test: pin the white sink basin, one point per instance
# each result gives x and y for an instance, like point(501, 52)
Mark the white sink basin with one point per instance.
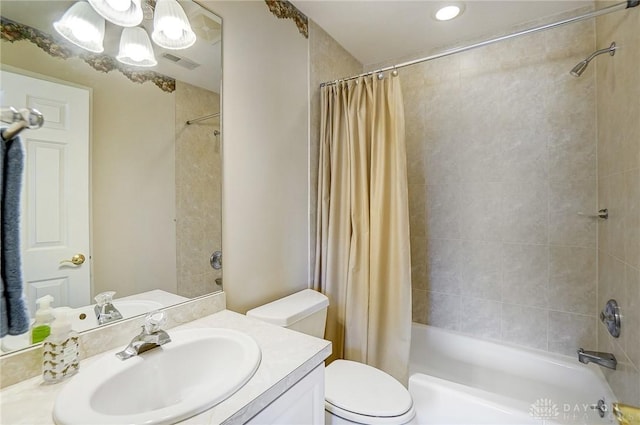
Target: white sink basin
point(198, 369)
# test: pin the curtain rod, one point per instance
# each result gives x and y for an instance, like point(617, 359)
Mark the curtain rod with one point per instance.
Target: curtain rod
point(620, 6)
point(206, 117)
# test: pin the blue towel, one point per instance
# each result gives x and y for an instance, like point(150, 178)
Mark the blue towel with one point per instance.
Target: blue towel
point(14, 314)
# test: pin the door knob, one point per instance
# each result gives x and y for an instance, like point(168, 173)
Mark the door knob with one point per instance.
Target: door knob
point(76, 260)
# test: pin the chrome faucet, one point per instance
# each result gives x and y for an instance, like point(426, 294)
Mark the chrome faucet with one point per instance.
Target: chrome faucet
point(105, 310)
point(597, 357)
point(150, 337)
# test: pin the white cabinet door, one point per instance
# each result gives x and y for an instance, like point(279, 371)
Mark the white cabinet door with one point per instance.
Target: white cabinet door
point(55, 201)
point(302, 404)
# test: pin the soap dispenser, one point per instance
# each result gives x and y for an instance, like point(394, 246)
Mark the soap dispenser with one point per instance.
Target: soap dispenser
point(44, 316)
point(61, 349)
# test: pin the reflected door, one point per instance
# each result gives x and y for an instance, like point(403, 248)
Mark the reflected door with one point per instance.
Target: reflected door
point(55, 198)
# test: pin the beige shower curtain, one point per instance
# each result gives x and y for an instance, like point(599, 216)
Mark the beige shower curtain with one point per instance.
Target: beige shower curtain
point(363, 259)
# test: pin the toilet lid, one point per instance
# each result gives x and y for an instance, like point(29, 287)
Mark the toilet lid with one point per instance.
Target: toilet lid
point(365, 390)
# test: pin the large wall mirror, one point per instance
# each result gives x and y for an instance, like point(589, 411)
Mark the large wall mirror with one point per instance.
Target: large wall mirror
point(115, 174)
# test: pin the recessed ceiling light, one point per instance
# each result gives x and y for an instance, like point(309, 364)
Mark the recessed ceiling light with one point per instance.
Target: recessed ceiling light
point(448, 12)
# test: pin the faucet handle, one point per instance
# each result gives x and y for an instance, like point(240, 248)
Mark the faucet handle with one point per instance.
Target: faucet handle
point(154, 321)
point(104, 298)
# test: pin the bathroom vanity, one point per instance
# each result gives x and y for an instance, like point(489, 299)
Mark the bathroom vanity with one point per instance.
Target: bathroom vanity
point(288, 385)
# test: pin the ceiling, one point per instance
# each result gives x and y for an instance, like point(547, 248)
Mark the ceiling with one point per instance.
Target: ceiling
point(379, 31)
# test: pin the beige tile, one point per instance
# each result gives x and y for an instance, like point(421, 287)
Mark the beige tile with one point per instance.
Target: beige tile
point(570, 193)
point(480, 210)
point(419, 263)
point(481, 270)
point(419, 278)
point(524, 325)
point(605, 340)
point(630, 331)
point(524, 214)
point(568, 332)
point(611, 232)
point(572, 279)
point(481, 158)
point(419, 302)
point(417, 210)
point(525, 154)
point(611, 278)
point(443, 210)
point(625, 383)
point(480, 317)
point(443, 310)
point(445, 263)
point(526, 274)
point(632, 216)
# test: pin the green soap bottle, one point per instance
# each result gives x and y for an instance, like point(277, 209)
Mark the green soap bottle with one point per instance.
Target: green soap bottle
point(44, 316)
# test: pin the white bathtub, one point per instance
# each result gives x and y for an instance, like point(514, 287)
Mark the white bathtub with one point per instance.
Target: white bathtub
point(457, 379)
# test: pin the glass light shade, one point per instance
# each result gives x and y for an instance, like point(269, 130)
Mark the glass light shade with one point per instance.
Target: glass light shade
point(171, 28)
point(126, 13)
point(135, 48)
point(82, 26)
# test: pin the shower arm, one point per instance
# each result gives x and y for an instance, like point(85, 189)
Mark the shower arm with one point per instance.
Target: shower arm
point(611, 50)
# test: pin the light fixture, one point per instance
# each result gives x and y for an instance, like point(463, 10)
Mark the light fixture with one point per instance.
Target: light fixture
point(126, 13)
point(82, 26)
point(135, 48)
point(171, 28)
point(448, 12)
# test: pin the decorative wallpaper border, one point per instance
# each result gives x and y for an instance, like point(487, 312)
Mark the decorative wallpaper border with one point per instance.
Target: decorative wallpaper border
point(12, 31)
point(285, 10)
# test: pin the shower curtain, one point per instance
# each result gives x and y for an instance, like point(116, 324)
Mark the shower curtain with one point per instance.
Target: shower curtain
point(363, 259)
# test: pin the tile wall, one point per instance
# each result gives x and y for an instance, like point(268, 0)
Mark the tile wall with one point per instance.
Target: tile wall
point(502, 159)
point(198, 190)
point(618, 92)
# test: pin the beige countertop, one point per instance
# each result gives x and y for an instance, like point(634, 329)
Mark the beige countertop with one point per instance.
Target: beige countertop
point(287, 356)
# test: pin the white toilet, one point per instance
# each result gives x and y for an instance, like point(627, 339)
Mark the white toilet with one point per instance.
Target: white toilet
point(354, 392)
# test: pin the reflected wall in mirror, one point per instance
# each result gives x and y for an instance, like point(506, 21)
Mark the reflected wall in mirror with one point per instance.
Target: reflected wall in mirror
point(152, 182)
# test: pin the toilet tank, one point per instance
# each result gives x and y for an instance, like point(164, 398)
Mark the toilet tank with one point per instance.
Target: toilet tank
point(304, 311)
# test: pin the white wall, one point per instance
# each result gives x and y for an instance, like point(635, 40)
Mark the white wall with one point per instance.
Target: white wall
point(265, 136)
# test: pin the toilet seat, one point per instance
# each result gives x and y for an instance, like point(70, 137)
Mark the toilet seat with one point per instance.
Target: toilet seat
point(363, 394)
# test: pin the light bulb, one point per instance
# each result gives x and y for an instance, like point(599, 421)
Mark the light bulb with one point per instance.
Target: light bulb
point(119, 5)
point(171, 27)
point(135, 48)
point(84, 31)
point(82, 26)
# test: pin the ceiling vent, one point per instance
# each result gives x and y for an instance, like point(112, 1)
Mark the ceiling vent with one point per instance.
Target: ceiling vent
point(183, 62)
point(206, 28)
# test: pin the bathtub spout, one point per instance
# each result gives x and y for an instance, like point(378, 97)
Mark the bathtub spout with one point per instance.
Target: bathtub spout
point(602, 359)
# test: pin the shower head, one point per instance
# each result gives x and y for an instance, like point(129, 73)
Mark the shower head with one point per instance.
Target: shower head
point(580, 67)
